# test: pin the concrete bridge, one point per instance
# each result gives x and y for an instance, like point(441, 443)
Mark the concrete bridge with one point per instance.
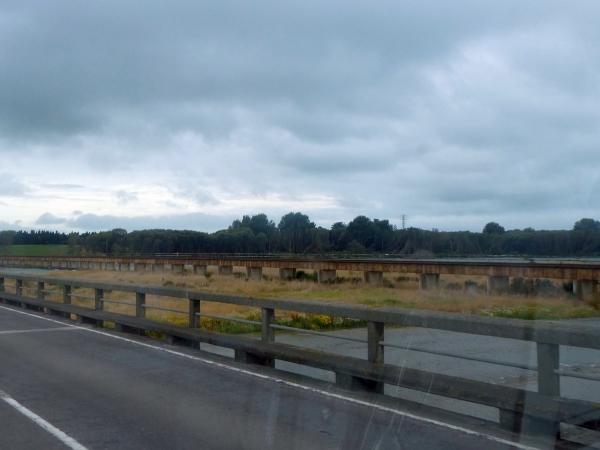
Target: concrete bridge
point(585, 276)
point(102, 377)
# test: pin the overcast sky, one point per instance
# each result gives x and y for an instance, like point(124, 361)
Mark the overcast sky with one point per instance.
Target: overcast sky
point(187, 114)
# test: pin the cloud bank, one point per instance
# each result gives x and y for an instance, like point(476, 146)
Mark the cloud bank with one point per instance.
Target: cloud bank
point(141, 114)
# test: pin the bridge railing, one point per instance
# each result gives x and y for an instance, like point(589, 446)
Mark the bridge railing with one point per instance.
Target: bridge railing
point(539, 412)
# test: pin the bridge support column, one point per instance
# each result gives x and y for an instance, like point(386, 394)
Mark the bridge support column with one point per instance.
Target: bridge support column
point(225, 270)
point(585, 289)
point(498, 284)
point(470, 287)
point(327, 275)
point(429, 280)
point(373, 277)
point(254, 273)
point(576, 288)
point(287, 273)
point(200, 269)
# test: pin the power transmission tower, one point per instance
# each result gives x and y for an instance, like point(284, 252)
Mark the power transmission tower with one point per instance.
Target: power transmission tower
point(404, 221)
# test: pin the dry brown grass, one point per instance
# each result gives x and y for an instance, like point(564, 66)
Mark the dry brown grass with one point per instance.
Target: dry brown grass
point(394, 293)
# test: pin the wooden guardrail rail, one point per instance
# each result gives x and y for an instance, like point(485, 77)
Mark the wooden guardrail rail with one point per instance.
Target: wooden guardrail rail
point(538, 412)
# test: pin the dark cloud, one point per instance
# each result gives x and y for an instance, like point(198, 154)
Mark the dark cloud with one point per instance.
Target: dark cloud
point(450, 112)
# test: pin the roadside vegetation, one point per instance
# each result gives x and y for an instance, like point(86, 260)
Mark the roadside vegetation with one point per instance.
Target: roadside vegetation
point(400, 292)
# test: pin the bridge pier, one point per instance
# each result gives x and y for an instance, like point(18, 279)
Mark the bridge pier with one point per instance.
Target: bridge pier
point(498, 284)
point(254, 273)
point(200, 269)
point(470, 287)
point(326, 275)
point(585, 290)
point(226, 270)
point(429, 281)
point(373, 277)
point(287, 273)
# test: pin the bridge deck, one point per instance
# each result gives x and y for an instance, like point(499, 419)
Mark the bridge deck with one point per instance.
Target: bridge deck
point(107, 392)
point(552, 269)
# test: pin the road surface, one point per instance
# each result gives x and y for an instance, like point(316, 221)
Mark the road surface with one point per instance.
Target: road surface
point(63, 386)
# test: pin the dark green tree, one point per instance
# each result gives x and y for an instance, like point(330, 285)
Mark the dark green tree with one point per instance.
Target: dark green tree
point(493, 228)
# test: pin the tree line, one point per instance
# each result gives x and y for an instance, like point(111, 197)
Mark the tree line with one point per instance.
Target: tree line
point(296, 233)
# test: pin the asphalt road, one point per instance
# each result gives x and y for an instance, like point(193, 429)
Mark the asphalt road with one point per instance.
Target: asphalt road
point(105, 392)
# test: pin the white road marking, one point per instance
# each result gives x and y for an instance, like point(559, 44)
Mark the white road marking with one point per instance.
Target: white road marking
point(58, 434)
point(37, 330)
point(293, 384)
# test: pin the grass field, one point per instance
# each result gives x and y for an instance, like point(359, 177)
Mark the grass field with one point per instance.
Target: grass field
point(34, 250)
point(400, 293)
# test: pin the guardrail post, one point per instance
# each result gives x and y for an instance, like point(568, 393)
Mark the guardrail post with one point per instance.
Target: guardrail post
point(41, 295)
point(99, 304)
point(98, 299)
point(268, 333)
point(375, 337)
point(194, 310)
point(375, 349)
point(19, 287)
point(375, 355)
point(66, 298)
point(140, 304)
point(67, 294)
point(548, 363)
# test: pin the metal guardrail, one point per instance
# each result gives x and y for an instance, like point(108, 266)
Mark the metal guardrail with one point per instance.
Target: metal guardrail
point(546, 407)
